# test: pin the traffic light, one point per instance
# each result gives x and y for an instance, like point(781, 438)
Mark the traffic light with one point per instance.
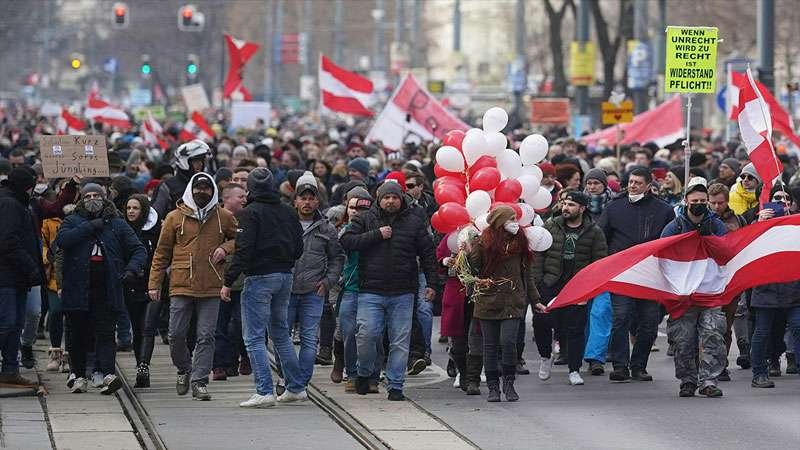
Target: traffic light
point(146, 68)
point(191, 68)
point(189, 19)
point(75, 63)
point(120, 15)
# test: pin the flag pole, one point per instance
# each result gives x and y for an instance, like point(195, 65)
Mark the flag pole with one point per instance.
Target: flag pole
point(687, 145)
point(728, 105)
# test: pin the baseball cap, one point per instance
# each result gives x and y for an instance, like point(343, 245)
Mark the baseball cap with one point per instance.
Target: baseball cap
point(697, 184)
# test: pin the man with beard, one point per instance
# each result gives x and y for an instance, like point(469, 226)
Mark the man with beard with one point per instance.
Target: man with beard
point(577, 242)
point(195, 238)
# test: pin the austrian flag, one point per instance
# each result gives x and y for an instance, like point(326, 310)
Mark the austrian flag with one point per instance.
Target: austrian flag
point(196, 128)
point(343, 91)
point(69, 124)
point(692, 270)
point(101, 111)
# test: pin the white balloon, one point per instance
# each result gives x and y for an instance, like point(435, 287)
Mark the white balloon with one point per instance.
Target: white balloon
point(533, 149)
point(467, 234)
point(533, 170)
point(474, 146)
point(497, 143)
point(527, 214)
point(472, 131)
point(530, 185)
point(478, 203)
point(450, 159)
point(537, 221)
point(509, 164)
point(452, 242)
point(533, 237)
point(540, 200)
point(545, 241)
point(494, 120)
point(481, 223)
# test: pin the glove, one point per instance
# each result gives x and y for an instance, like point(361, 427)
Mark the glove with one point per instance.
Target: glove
point(129, 277)
point(97, 223)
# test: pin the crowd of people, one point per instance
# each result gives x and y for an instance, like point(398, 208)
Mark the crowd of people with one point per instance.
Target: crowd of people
point(299, 234)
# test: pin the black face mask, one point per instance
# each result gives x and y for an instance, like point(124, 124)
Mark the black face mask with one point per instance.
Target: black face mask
point(698, 209)
point(201, 198)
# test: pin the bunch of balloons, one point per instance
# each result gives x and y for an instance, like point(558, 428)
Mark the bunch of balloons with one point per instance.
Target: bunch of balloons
point(475, 173)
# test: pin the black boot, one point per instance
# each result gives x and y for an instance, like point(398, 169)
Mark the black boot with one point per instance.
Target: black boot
point(493, 383)
point(521, 369)
point(337, 374)
point(509, 374)
point(473, 372)
point(28, 361)
point(791, 363)
point(142, 376)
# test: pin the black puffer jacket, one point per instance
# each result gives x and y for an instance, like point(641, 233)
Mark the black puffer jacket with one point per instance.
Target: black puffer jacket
point(626, 224)
point(20, 249)
point(389, 266)
point(269, 238)
point(548, 266)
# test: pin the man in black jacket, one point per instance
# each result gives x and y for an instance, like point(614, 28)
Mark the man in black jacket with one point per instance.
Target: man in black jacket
point(389, 238)
point(630, 220)
point(20, 268)
point(268, 242)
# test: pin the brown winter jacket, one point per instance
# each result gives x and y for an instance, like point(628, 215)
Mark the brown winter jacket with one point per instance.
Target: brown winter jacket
point(505, 300)
point(186, 246)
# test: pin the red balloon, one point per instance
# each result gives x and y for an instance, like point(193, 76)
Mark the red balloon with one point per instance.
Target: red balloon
point(453, 215)
point(512, 205)
point(439, 172)
point(460, 182)
point(508, 191)
point(454, 138)
point(485, 179)
point(483, 161)
point(446, 193)
point(438, 224)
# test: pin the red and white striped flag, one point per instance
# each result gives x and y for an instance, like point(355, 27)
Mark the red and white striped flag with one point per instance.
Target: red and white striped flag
point(101, 111)
point(780, 119)
point(692, 270)
point(755, 127)
point(196, 128)
point(343, 91)
point(152, 132)
point(69, 124)
point(239, 53)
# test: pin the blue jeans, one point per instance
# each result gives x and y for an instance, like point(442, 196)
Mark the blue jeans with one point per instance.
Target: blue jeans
point(265, 304)
point(424, 313)
point(759, 345)
point(599, 328)
point(306, 309)
point(12, 319)
point(374, 313)
point(648, 316)
point(348, 310)
point(33, 310)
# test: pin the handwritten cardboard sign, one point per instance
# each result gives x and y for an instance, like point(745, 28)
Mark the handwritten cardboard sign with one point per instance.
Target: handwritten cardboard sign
point(67, 155)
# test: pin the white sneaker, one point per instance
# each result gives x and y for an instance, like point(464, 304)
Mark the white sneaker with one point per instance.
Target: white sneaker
point(457, 382)
point(545, 366)
point(259, 401)
point(556, 348)
point(483, 376)
point(291, 397)
point(575, 379)
point(97, 380)
point(79, 385)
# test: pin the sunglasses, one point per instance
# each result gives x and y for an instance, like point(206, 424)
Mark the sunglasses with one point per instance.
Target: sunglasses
point(410, 185)
point(781, 198)
point(748, 177)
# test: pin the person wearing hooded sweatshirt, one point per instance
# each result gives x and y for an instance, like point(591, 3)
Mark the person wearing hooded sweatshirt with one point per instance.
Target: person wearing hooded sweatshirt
point(143, 219)
point(268, 243)
point(705, 326)
point(20, 268)
point(194, 240)
point(389, 238)
point(744, 193)
point(101, 253)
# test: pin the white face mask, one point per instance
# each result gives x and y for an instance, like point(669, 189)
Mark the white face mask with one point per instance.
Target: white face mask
point(40, 188)
point(635, 197)
point(511, 227)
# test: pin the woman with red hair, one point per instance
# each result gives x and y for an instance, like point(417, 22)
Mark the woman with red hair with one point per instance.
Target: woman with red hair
point(502, 260)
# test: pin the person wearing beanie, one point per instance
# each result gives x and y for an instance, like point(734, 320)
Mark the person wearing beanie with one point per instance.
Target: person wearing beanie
point(20, 267)
point(95, 240)
point(727, 172)
point(599, 194)
point(744, 193)
point(195, 239)
point(501, 254)
point(269, 241)
point(358, 169)
point(390, 240)
point(577, 242)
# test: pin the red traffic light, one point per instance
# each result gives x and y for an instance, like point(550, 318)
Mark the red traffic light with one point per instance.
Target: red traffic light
point(120, 11)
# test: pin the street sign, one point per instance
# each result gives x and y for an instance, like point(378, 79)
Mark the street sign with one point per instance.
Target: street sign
point(640, 65)
point(142, 112)
point(614, 113)
point(110, 65)
point(436, 86)
point(581, 63)
point(691, 64)
point(141, 97)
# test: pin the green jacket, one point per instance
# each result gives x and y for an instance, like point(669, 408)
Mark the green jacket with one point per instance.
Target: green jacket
point(549, 264)
point(507, 300)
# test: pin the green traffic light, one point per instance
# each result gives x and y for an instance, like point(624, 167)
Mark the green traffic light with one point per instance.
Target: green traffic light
point(191, 69)
point(146, 69)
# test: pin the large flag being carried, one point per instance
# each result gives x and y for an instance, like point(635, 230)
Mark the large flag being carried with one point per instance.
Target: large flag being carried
point(780, 118)
point(692, 270)
point(412, 114)
point(69, 124)
point(239, 53)
point(152, 131)
point(662, 125)
point(196, 128)
point(343, 91)
point(101, 111)
point(755, 126)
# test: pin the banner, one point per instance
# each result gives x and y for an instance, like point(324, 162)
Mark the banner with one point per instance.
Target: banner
point(614, 113)
point(66, 155)
point(550, 111)
point(245, 114)
point(581, 63)
point(662, 125)
point(691, 64)
point(195, 97)
point(412, 115)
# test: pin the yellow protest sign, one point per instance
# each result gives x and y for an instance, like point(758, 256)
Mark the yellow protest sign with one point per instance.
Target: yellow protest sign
point(614, 113)
point(691, 64)
point(581, 63)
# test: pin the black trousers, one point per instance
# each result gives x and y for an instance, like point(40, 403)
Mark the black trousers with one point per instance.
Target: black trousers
point(93, 329)
point(137, 312)
point(499, 334)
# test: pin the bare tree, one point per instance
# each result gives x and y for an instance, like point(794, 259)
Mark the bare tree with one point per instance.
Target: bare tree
point(555, 17)
point(609, 48)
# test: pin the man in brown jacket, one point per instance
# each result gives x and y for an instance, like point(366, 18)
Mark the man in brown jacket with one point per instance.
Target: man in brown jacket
point(195, 238)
